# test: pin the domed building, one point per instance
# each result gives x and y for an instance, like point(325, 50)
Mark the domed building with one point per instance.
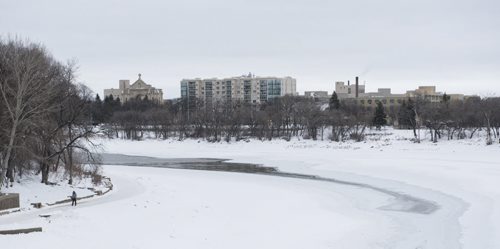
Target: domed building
point(138, 90)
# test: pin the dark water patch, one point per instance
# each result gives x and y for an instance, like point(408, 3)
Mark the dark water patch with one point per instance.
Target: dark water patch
point(401, 202)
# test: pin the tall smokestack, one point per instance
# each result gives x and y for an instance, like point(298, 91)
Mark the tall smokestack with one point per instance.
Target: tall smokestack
point(357, 87)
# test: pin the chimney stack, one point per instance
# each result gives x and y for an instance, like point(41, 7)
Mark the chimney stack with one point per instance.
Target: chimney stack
point(357, 87)
point(348, 83)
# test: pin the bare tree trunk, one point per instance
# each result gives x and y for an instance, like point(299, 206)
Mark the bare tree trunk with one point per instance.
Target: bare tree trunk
point(6, 166)
point(489, 140)
point(417, 126)
point(70, 157)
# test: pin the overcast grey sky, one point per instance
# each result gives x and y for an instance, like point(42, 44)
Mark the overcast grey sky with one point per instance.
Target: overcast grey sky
point(401, 44)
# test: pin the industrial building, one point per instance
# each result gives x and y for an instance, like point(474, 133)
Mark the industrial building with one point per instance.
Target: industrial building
point(356, 93)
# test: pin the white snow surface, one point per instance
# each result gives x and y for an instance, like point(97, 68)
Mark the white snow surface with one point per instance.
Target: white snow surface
point(31, 190)
point(172, 208)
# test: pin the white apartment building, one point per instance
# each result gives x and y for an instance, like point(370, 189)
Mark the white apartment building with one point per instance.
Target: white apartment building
point(248, 89)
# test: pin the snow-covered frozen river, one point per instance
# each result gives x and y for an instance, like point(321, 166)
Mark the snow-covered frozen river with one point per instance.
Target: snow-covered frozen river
point(460, 177)
point(171, 208)
point(176, 202)
point(356, 195)
point(421, 213)
point(399, 202)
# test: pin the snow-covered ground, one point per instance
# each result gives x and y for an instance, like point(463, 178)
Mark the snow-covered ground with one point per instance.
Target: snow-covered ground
point(32, 191)
point(167, 208)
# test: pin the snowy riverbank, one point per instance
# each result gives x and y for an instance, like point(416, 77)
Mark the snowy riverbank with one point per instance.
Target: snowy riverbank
point(32, 191)
point(158, 208)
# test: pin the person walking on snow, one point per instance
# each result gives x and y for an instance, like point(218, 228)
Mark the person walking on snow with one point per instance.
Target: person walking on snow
point(73, 199)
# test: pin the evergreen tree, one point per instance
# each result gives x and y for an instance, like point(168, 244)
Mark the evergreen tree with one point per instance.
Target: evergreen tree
point(334, 101)
point(110, 106)
point(117, 102)
point(379, 119)
point(97, 110)
point(446, 98)
point(108, 99)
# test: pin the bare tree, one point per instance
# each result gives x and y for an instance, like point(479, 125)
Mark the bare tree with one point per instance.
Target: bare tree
point(28, 76)
point(489, 108)
point(45, 116)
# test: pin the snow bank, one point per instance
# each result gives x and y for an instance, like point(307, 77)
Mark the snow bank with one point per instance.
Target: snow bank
point(32, 191)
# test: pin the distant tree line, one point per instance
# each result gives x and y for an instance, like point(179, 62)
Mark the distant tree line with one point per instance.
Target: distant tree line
point(452, 119)
point(289, 116)
point(44, 115)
